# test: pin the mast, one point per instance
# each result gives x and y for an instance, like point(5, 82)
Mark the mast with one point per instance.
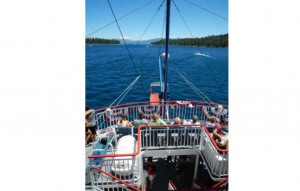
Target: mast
point(167, 50)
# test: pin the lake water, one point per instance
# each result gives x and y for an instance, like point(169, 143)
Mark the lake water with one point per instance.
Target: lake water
point(109, 71)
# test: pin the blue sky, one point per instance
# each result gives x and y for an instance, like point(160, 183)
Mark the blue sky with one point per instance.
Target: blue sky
point(200, 22)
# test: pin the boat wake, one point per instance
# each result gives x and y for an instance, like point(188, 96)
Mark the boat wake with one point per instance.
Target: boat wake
point(201, 54)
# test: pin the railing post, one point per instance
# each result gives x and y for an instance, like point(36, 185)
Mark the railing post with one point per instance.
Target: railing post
point(196, 166)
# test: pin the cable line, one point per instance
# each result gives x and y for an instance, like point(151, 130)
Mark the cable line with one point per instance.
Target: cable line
point(120, 18)
point(123, 37)
point(207, 10)
point(148, 26)
point(130, 56)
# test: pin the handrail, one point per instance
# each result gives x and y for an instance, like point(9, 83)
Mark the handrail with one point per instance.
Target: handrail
point(147, 102)
point(158, 126)
point(220, 183)
point(99, 169)
point(172, 184)
point(214, 142)
point(139, 141)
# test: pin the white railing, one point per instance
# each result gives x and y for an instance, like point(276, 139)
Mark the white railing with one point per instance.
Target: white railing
point(216, 161)
point(107, 117)
point(117, 172)
point(125, 169)
point(168, 137)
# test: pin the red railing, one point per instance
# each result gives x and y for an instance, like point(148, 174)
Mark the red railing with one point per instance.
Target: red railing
point(214, 142)
point(113, 177)
point(172, 184)
point(220, 183)
point(138, 150)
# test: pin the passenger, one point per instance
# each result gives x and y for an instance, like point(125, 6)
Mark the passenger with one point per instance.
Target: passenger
point(91, 121)
point(210, 124)
point(194, 121)
point(88, 134)
point(221, 140)
point(176, 121)
point(217, 133)
point(151, 169)
point(123, 122)
point(141, 120)
point(156, 120)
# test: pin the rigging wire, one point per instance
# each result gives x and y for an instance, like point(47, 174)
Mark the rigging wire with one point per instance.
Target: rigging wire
point(193, 37)
point(158, 9)
point(201, 94)
point(127, 14)
point(125, 91)
point(207, 10)
point(123, 37)
point(126, 45)
point(183, 19)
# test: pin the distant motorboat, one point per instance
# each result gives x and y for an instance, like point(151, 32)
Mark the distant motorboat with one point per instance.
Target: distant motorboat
point(198, 53)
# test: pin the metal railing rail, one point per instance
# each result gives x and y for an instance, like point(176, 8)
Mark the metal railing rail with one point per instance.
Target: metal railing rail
point(171, 136)
point(109, 116)
point(215, 158)
point(171, 186)
point(178, 136)
point(222, 183)
point(96, 173)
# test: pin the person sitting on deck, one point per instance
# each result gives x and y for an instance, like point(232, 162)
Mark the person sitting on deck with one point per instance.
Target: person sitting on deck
point(123, 122)
point(217, 133)
point(221, 140)
point(156, 120)
point(210, 124)
point(141, 120)
point(194, 121)
point(176, 121)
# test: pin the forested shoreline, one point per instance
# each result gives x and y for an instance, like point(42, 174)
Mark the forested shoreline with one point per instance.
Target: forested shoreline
point(209, 41)
point(101, 41)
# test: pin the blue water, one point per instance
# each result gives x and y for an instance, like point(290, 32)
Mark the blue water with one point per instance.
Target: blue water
point(109, 71)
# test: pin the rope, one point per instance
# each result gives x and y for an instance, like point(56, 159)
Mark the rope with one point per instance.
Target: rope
point(120, 18)
point(130, 56)
point(183, 19)
point(125, 91)
point(148, 26)
point(207, 10)
point(123, 38)
point(201, 94)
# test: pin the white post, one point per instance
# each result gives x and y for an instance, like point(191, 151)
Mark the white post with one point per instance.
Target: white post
point(196, 166)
